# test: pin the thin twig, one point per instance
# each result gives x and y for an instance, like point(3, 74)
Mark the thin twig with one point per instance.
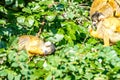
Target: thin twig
point(40, 30)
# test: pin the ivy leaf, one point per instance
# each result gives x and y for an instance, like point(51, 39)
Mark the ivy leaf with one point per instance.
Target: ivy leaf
point(50, 17)
point(27, 10)
point(56, 38)
point(3, 72)
point(18, 77)
point(11, 56)
point(67, 77)
point(21, 19)
point(2, 22)
point(10, 76)
point(30, 21)
point(15, 64)
point(49, 76)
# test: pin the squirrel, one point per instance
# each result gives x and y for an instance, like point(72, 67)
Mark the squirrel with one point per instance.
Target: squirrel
point(108, 8)
point(34, 45)
point(108, 29)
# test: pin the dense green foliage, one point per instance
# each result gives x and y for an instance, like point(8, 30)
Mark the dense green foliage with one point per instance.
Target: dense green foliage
point(78, 56)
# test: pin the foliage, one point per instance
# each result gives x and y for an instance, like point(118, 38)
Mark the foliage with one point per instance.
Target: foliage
point(78, 56)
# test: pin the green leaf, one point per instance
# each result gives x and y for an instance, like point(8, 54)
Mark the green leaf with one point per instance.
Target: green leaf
point(25, 71)
point(30, 21)
point(10, 76)
point(60, 17)
point(27, 10)
point(70, 15)
point(46, 2)
point(21, 19)
point(31, 64)
point(59, 37)
point(67, 77)
point(49, 77)
point(15, 64)
point(37, 73)
point(13, 40)
point(61, 31)
point(11, 56)
point(72, 67)
point(18, 77)
point(88, 76)
point(3, 72)
point(23, 56)
point(40, 64)
point(56, 38)
point(2, 22)
point(50, 17)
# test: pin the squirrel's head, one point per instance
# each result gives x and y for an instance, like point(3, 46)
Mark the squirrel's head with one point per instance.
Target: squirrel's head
point(48, 48)
point(97, 17)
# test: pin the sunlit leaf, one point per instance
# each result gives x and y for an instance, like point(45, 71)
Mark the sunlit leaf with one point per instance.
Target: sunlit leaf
point(49, 77)
point(50, 17)
point(27, 10)
point(2, 22)
point(30, 21)
point(10, 76)
point(15, 64)
point(3, 72)
point(18, 77)
point(21, 19)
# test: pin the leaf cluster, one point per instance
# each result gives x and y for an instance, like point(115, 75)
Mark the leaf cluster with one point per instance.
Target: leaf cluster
point(78, 56)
